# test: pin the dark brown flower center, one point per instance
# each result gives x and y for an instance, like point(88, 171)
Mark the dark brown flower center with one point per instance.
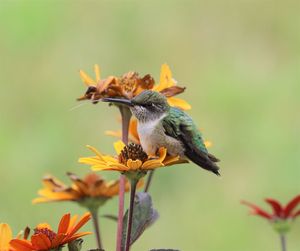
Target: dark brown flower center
point(132, 151)
point(46, 231)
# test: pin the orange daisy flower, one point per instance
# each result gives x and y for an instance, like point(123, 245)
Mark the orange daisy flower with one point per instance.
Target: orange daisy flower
point(44, 238)
point(91, 186)
point(131, 84)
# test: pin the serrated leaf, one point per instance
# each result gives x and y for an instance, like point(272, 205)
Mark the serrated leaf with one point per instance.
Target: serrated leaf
point(144, 215)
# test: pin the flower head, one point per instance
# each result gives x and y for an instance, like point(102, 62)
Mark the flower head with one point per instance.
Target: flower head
point(130, 158)
point(281, 216)
point(44, 238)
point(131, 84)
point(92, 190)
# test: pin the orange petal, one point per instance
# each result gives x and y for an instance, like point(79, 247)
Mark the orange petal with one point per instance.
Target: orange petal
point(5, 236)
point(40, 242)
point(84, 219)
point(58, 240)
point(21, 245)
point(76, 236)
point(64, 224)
point(72, 222)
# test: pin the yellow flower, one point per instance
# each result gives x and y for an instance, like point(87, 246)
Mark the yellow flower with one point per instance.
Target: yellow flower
point(130, 158)
point(92, 190)
point(131, 84)
point(134, 136)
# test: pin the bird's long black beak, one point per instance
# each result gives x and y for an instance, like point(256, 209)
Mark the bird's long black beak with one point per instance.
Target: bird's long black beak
point(126, 102)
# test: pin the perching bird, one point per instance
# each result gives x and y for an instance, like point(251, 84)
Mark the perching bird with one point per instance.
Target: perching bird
point(160, 125)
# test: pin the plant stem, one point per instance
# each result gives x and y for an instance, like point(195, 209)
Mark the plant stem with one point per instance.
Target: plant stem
point(130, 213)
point(126, 115)
point(148, 182)
point(283, 242)
point(94, 213)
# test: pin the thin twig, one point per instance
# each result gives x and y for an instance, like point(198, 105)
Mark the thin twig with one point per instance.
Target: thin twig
point(148, 182)
point(130, 213)
point(94, 213)
point(126, 115)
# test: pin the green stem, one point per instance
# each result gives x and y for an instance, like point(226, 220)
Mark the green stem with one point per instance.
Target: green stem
point(130, 212)
point(148, 182)
point(283, 242)
point(126, 116)
point(94, 213)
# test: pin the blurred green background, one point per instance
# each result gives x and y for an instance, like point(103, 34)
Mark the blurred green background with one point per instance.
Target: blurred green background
point(240, 62)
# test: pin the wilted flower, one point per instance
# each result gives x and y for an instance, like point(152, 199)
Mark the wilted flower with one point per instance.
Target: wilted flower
point(91, 191)
point(130, 158)
point(281, 216)
point(131, 84)
point(44, 238)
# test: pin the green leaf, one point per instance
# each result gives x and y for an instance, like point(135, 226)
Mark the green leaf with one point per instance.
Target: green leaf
point(144, 215)
point(110, 217)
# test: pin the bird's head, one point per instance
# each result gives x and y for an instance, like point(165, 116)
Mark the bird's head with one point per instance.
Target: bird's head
point(147, 106)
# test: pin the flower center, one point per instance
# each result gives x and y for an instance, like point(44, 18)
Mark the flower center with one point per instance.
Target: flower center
point(134, 152)
point(46, 231)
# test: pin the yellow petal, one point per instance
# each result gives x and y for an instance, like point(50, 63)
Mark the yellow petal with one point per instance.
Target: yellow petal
point(86, 79)
point(152, 164)
point(134, 164)
point(117, 134)
point(120, 168)
point(170, 160)
point(207, 143)
point(97, 72)
point(162, 154)
point(119, 146)
point(165, 78)
point(5, 236)
point(91, 161)
point(93, 149)
point(180, 103)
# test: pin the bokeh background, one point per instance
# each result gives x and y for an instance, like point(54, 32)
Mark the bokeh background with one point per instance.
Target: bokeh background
point(240, 62)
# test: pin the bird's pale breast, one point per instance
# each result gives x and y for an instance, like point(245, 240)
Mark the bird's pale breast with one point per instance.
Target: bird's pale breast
point(152, 136)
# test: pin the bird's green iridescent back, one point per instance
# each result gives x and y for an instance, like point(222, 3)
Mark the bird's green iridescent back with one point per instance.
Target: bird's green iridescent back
point(178, 124)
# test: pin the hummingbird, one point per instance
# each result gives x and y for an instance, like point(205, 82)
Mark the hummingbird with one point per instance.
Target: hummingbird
point(160, 125)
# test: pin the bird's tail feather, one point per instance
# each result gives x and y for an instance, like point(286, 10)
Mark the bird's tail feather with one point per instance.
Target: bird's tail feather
point(207, 162)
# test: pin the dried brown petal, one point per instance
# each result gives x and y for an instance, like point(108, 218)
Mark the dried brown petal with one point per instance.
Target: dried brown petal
point(172, 91)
